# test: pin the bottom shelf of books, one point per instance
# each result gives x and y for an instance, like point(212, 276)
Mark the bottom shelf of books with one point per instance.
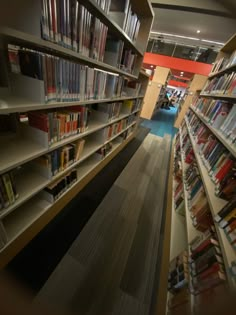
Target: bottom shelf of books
point(42, 195)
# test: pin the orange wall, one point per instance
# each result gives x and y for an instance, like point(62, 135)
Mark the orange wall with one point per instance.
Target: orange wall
point(177, 83)
point(177, 63)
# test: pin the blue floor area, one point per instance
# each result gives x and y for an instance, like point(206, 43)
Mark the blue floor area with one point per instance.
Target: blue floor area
point(162, 122)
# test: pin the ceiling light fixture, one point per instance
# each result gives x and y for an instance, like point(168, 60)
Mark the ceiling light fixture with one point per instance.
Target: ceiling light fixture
point(174, 35)
point(198, 31)
point(212, 42)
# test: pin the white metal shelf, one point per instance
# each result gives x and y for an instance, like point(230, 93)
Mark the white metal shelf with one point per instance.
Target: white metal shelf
point(30, 182)
point(30, 41)
point(219, 96)
point(16, 223)
point(219, 135)
point(216, 204)
point(21, 150)
point(15, 105)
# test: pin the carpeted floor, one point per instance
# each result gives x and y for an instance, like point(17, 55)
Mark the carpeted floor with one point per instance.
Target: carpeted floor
point(110, 268)
point(34, 264)
point(162, 122)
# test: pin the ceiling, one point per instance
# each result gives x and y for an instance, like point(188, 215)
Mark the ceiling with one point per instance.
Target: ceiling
point(186, 23)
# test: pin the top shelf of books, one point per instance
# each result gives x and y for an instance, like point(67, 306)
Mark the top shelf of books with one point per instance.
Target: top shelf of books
point(96, 32)
point(226, 59)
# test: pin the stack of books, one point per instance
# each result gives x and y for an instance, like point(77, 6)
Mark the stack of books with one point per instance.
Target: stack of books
point(226, 219)
point(224, 63)
point(224, 84)
point(216, 158)
point(65, 81)
point(206, 265)
point(219, 114)
point(58, 125)
point(71, 25)
point(58, 160)
point(178, 273)
point(57, 188)
point(8, 190)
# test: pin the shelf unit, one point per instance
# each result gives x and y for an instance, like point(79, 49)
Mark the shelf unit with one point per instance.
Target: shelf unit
point(191, 231)
point(30, 213)
point(216, 204)
point(195, 85)
point(160, 77)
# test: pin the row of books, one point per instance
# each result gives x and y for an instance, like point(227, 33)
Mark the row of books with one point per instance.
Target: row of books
point(113, 110)
point(107, 147)
point(130, 21)
point(8, 190)
point(224, 84)
point(60, 124)
point(70, 24)
point(117, 127)
point(52, 192)
point(104, 4)
point(178, 277)
point(226, 219)
point(54, 162)
point(179, 201)
point(132, 24)
point(206, 265)
point(216, 158)
point(219, 114)
point(117, 56)
point(197, 200)
point(223, 63)
point(66, 81)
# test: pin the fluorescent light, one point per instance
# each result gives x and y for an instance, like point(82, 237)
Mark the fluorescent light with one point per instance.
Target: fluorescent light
point(211, 41)
point(174, 35)
point(198, 31)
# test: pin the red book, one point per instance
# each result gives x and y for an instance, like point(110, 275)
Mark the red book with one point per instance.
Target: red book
point(224, 169)
point(213, 269)
point(203, 245)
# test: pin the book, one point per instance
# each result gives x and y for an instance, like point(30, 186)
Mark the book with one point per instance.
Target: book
point(225, 210)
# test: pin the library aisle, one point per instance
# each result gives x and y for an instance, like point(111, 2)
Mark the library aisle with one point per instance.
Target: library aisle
point(162, 122)
point(110, 268)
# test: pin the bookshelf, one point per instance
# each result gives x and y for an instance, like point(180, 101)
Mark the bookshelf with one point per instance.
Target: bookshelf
point(95, 126)
point(196, 84)
point(192, 233)
point(154, 89)
point(217, 133)
point(209, 115)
